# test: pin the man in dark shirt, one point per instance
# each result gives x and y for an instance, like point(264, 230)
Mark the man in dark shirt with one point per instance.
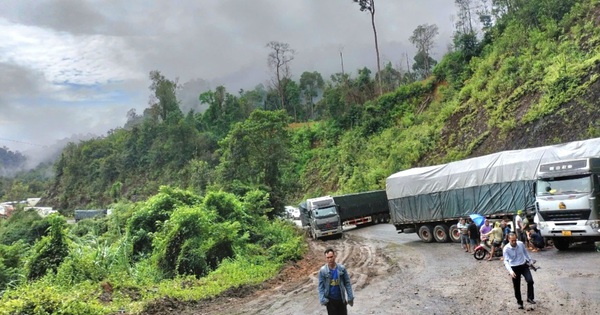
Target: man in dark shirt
point(536, 240)
point(473, 233)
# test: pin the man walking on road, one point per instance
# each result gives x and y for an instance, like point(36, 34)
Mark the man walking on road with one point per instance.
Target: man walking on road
point(334, 285)
point(516, 261)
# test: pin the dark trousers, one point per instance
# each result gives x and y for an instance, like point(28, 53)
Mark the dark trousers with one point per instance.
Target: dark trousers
point(522, 270)
point(336, 307)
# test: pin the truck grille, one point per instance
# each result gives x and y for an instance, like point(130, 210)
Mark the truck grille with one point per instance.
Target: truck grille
point(565, 215)
point(327, 226)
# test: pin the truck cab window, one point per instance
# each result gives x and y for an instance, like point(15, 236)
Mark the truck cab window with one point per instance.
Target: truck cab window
point(564, 185)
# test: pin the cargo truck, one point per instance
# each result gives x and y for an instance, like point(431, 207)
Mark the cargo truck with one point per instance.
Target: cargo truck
point(430, 200)
point(321, 217)
point(567, 195)
point(326, 216)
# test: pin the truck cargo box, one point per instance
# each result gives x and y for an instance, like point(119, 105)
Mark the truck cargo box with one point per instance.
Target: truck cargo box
point(362, 204)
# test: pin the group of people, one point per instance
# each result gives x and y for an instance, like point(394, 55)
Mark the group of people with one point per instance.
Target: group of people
point(528, 233)
point(514, 245)
point(496, 235)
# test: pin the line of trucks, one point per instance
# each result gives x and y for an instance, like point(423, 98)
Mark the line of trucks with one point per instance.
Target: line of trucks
point(558, 184)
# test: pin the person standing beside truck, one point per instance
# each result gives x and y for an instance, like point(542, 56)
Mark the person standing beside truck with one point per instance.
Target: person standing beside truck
point(464, 234)
point(334, 286)
point(473, 232)
point(517, 261)
point(519, 225)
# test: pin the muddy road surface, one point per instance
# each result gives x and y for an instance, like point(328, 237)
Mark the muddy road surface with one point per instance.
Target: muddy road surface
point(398, 274)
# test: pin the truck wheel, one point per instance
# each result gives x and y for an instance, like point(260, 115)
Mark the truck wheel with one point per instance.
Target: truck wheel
point(454, 233)
point(561, 243)
point(426, 234)
point(375, 219)
point(440, 233)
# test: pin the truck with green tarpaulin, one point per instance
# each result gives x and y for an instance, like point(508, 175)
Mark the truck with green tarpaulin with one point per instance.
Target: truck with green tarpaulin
point(430, 200)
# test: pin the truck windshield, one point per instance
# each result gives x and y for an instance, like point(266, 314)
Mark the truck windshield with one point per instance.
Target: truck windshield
point(325, 212)
point(564, 185)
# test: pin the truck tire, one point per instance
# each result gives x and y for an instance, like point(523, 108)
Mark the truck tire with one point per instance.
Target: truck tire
point(440, 233)
point(454, 233)
point(561, 243)
point(426, 233)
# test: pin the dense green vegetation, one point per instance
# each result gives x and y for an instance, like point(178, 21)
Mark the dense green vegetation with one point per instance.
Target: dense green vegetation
point(174, 244)
point(531, 79)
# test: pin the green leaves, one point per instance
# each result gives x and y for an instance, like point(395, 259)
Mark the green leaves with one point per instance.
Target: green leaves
point(50, 251)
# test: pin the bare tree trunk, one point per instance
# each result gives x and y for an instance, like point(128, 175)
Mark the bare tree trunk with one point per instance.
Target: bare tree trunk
point(376, 46)
point(342, 60)
point(407, 64)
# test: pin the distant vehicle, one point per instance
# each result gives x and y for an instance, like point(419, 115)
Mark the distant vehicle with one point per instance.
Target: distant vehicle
point(326, 215)
point(89, 214)
point(292, 212)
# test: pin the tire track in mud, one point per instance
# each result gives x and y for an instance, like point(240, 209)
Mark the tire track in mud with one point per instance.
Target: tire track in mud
point(364, 260)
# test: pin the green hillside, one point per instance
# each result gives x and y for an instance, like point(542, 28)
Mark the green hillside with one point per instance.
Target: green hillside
point(531, 80)
point(196, 196)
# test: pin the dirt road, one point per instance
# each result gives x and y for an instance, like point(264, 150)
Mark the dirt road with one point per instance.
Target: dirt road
point(398, 274)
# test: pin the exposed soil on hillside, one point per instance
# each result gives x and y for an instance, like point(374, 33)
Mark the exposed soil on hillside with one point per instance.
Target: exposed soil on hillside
point(468, 131)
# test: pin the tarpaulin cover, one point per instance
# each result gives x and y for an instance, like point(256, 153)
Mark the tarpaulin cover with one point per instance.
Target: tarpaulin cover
point(497, 183)
point(362, 204)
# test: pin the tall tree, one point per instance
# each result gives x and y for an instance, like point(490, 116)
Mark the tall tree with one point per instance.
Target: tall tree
point(164, 101)
point(255, 153)
point(466, 8)
point(422, 38)
point(310, 85)
point(390, 77)
point(369, 5)
point(423, 64)
point(279, 61)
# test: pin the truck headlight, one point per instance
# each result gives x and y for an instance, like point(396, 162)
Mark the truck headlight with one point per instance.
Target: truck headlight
point(542, 225)
point(594, 224)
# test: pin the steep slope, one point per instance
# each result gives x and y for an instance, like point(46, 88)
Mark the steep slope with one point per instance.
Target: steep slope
point(533, 87)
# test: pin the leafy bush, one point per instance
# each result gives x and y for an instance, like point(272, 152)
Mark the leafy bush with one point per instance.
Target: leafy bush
point(150, 218)
point(25, 225)
point(192, 242)
point(50, 251)
point(11, 261)
point(92, 226)
point(42, 298)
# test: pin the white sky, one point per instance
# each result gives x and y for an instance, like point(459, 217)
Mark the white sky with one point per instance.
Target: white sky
point(75, 67)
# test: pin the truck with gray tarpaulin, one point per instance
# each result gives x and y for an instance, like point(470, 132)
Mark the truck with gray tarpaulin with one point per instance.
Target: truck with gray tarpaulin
point(430, 200)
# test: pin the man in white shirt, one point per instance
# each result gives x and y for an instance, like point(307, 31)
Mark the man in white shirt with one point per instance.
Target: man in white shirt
point(516, 261)
point(519, 225)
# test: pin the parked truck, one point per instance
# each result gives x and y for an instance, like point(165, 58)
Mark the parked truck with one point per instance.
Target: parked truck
point(430, 200)
point(567, 195)
point(326, 216)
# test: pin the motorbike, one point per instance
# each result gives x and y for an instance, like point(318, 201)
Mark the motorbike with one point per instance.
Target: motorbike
point(483, 249)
